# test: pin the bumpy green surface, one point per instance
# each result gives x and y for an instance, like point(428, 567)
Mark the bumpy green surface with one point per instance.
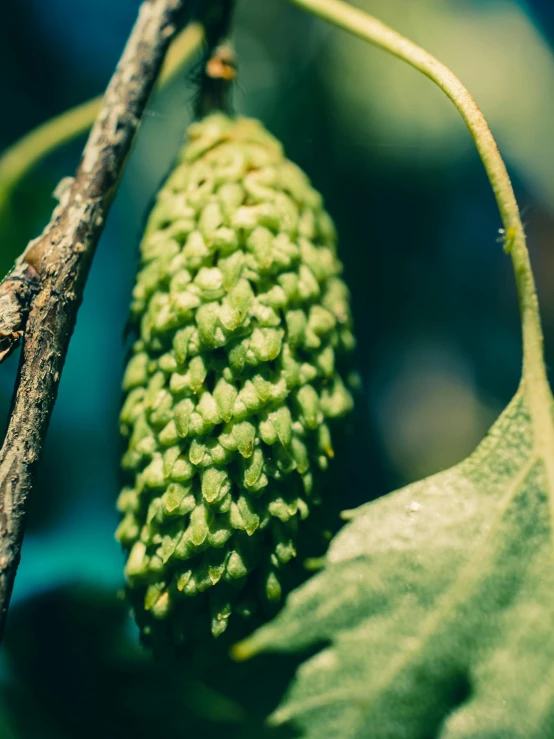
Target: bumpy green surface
point(241, 315)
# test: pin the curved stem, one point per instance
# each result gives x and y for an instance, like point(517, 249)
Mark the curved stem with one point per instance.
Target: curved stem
point(370, 29)
point(29, 150)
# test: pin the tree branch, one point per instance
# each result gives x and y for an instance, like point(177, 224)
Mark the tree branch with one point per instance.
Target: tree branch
point(16, 294)
point(56, 265)
point(19, 159)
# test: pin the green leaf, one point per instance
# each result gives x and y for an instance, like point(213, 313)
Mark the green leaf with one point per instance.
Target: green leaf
point(434, 614)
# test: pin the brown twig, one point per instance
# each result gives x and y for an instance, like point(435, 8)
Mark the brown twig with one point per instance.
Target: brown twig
point(19, 288)
point(55, 267)
point(16, 294)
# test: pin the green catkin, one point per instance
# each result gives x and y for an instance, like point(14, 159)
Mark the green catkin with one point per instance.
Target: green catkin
point(241, 317)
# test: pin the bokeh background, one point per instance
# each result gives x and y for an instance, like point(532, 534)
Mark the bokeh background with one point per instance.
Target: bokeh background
point(433, 298)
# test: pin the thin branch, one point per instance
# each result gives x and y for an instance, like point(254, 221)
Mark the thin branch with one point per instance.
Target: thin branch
point(61, 257)
point(22, 156)
point(16, 295)
point(19, 286)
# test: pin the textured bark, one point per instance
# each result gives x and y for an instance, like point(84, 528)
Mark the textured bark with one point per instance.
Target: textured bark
point(54, 270)
point(16, 295)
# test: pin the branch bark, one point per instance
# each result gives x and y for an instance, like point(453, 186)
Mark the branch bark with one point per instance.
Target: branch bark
point(55, 267)
point(16, 295)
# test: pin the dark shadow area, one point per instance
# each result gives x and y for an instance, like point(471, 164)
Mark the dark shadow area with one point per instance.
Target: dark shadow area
point(75, 652)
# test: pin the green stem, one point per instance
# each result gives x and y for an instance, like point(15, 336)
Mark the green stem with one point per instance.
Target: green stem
point(27, 152)
point(370, 29)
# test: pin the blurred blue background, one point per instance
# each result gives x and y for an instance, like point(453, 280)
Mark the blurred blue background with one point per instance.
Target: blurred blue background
point(433, 295)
